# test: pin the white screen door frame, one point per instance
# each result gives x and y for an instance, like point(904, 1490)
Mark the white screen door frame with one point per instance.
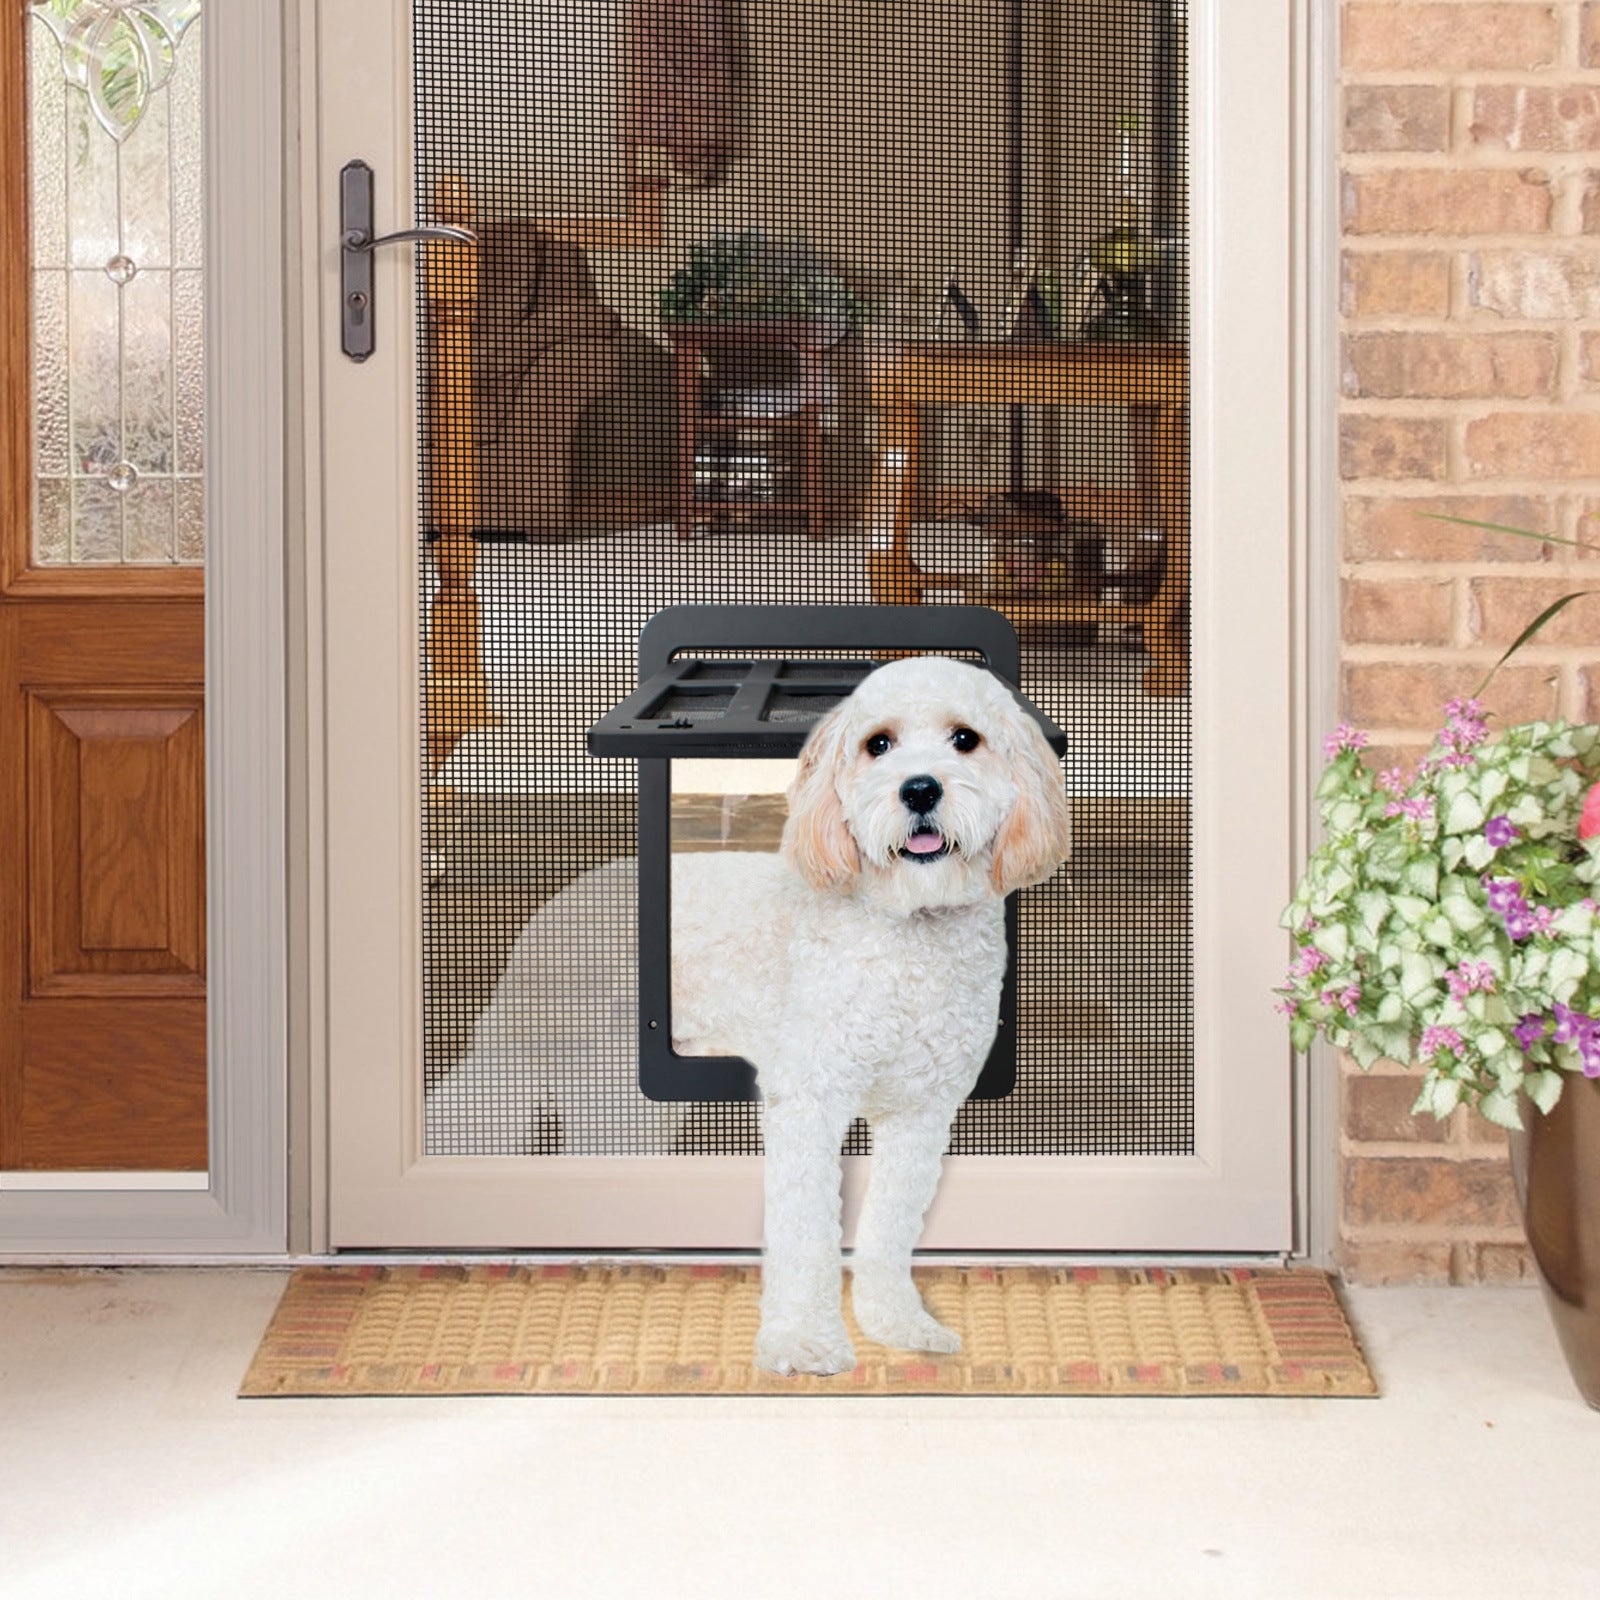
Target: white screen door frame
point(1235, 1193)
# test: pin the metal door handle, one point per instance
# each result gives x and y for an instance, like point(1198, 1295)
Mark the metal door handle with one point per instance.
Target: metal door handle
point(433, 233)
point(356, 244)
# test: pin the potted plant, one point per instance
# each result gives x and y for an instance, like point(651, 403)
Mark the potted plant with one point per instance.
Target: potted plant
point(751, 277)
point(1450, 921)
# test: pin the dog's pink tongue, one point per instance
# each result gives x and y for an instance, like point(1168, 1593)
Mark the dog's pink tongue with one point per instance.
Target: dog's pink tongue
point(925, 844)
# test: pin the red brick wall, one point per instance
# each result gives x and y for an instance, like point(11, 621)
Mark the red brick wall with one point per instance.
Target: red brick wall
point(1470, 299)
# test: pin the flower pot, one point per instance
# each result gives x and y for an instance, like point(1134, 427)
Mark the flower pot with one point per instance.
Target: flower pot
point(1555, 1161)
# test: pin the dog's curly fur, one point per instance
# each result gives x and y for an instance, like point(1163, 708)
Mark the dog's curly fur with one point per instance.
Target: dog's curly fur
point(859, 971)
point(865, 970)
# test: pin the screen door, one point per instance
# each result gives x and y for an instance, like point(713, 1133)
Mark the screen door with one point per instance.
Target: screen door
point(797, 303)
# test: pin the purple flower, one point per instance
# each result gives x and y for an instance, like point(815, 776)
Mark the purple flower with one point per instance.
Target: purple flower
point(1343, 738)
point(1573, 1027)
point(1391, 782)
point(1529, 1031)
point(1505, 895)
point(1500, 831)
point(1507, 902)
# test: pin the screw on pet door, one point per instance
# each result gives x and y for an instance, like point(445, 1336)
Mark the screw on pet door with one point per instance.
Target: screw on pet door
point(729, 684)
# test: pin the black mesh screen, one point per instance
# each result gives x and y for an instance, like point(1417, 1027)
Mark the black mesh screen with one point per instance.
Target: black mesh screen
point(754, 211)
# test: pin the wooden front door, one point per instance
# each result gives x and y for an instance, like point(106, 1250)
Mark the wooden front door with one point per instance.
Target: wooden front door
point(102, 842)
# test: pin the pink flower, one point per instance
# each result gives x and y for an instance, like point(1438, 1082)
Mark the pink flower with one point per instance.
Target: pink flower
point(1589, 822)
point(1419, 808)
point(1343, 738)
point(1346, 999)
point(1470, 977)
point(1309, 961)
point(1436, 1039)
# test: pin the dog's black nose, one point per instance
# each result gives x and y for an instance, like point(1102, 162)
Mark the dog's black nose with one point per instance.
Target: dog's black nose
point(921, 793)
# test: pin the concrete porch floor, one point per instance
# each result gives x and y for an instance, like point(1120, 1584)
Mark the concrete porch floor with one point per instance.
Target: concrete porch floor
point(128, 1469)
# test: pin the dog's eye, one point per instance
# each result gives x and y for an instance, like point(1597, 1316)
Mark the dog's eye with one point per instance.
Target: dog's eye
point(965, 740)
point(878, 745)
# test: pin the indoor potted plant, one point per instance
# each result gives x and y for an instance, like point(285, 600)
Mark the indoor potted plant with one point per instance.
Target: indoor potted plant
point(748, 276)
point(1450, 921)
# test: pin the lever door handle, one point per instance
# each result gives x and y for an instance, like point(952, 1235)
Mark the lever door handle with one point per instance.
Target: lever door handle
point(432, 233)
point(357, 241)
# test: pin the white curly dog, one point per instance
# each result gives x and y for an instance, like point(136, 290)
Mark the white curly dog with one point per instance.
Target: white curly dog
point(859, 972)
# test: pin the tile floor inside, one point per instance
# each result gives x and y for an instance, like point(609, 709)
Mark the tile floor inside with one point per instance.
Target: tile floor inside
point(128, 1469)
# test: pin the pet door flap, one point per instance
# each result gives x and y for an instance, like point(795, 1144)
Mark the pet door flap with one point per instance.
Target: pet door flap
point(700, 697)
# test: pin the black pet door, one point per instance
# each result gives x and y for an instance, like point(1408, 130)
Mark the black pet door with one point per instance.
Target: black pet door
point(720, 682)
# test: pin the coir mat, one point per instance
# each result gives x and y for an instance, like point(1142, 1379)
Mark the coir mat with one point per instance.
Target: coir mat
point(606, 1329)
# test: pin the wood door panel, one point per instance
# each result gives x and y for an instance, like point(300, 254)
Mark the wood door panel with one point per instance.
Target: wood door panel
point(87, 641)
point(108, 1085)
point(102, 858)
point(116, 886)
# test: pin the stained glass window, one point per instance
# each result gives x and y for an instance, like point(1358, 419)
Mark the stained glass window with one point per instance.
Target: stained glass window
point(118, 282)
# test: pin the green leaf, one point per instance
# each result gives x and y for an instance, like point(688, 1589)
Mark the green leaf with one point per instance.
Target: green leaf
point(1500, 1108)
point(1412, 908)
point(1463, 913)
point(1417, 978)
point(1365, 1051)
point(1464, 814)
point(1394, 1042)
point(1520, 533)
point(1422, 877)
point(1491, 785)
point(1543, 1088)
point(1332, 781)
point(1550, 611)
point(1567, 968)
point(1372, 907)
point(1333, 939)
point(1439, 1095)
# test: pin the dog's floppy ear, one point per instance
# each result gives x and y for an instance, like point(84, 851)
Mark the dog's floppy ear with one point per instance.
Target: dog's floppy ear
point(816, 839)
point(1037, 835)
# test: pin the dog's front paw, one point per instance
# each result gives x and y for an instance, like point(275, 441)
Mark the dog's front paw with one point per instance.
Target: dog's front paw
point(894, 1315)
point(789, 1350)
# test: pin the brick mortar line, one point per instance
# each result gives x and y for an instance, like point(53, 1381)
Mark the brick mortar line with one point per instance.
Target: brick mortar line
point(1367, 654)
point(1427, 1150)
point(1560, 75)
point(1485, 158)
point(1477, 323)
point(1413, 569)
point(1465, 243)
point(1474, 408)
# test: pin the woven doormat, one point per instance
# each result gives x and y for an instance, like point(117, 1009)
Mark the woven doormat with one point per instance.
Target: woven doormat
point(687, 1330)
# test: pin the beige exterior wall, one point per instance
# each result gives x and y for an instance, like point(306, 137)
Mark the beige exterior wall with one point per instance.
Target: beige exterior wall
point(1470, 291)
